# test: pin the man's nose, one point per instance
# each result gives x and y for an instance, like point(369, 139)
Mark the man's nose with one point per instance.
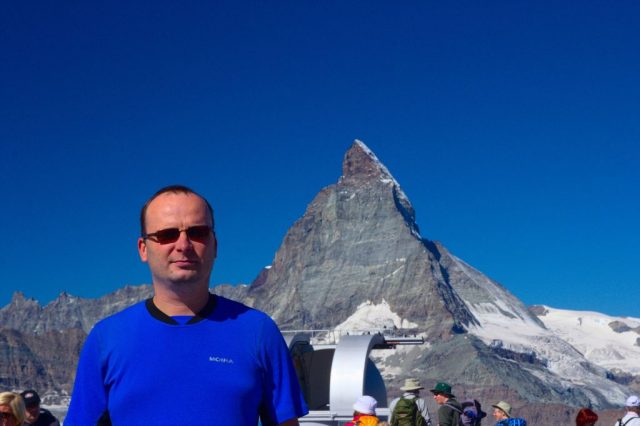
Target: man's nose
point(183, 241)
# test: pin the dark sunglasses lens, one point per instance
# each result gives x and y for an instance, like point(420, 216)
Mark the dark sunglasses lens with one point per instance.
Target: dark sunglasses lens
point(199, 233)
point(165, 236)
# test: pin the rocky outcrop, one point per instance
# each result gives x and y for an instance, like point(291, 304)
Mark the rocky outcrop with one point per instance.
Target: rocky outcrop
point(45, 362)
point(67, 312)
point(358, 241)
point(538, 310)
point(619, 326)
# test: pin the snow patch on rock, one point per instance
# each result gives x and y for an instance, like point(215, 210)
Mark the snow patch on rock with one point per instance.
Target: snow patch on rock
point(374, 317)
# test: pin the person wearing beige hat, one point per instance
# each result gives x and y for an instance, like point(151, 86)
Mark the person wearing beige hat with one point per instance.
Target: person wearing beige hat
point(411, 409)
point(502, 413)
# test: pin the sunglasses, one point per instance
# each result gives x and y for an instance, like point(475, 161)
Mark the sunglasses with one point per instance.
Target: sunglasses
point(199, 233)
point(4, 415)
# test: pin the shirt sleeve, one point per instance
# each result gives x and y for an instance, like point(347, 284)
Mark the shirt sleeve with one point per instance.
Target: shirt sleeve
point(282, 399)
point(392, 406)
point(424, 411)
point(89, 397)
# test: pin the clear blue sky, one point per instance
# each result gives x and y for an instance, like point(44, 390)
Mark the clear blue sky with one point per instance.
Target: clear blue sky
point(513, 127)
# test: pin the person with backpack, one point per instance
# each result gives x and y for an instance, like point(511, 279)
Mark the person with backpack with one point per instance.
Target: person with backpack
point(364, 413)
point(632, 417)
point(450, 409)
point(472, 413)
point(409, 409)
point(502, 413)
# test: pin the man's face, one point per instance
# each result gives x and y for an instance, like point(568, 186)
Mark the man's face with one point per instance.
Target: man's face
point(32, 413)
point(440, 398)
point(499, 414)
point(184, 261)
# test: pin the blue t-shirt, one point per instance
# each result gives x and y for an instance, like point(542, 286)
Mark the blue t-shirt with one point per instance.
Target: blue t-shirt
point(228, 366)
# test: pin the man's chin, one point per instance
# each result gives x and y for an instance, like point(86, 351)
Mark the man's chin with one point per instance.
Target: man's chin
point(185, 278)
point(182, 279)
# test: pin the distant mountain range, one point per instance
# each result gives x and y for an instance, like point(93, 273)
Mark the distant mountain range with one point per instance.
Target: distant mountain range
point(357, 260)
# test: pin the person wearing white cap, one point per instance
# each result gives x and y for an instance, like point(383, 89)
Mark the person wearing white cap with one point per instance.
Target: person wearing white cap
point(364, 412)
point(410, 405)
point(632, 416)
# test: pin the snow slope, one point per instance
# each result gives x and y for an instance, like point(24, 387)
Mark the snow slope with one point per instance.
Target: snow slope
point(578, 349)
point(593, 336)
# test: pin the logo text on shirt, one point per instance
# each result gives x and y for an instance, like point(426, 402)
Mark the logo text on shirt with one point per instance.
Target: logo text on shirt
point(220, 359)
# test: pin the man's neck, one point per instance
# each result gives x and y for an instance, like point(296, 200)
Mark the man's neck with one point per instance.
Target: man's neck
point(184, 302)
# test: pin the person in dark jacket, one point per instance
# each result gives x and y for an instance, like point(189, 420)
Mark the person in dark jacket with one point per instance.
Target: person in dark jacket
point(450, 409)
point(36, 415)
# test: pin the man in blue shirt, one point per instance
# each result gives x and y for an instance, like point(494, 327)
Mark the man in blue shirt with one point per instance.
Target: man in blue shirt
point(184, 356)
point(502, 413)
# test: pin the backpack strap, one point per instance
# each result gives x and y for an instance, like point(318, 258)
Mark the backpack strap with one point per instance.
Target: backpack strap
point(623, 424)
point(454, 408)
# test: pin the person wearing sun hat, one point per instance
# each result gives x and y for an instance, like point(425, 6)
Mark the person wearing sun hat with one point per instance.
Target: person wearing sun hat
point(364, 412)
point(450, 409)
point(502, 413)
point(632, 416)
point(410, 405)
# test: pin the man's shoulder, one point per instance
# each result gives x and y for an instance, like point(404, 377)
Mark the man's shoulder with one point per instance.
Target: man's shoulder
point(232, 308)
point(449, 406)
point(453, 404)
point(46, 418)
point(631, 416)
point(230, 304)
point(127, 314)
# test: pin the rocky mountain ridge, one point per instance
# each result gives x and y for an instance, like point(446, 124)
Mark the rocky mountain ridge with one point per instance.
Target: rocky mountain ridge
point(358, 247)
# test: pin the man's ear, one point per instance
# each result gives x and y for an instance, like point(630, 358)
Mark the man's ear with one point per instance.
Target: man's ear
point(142, 249)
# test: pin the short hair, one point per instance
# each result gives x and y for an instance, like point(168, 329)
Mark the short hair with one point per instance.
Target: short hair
point(585, 417)
point(175, 189)
point(16, 403)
